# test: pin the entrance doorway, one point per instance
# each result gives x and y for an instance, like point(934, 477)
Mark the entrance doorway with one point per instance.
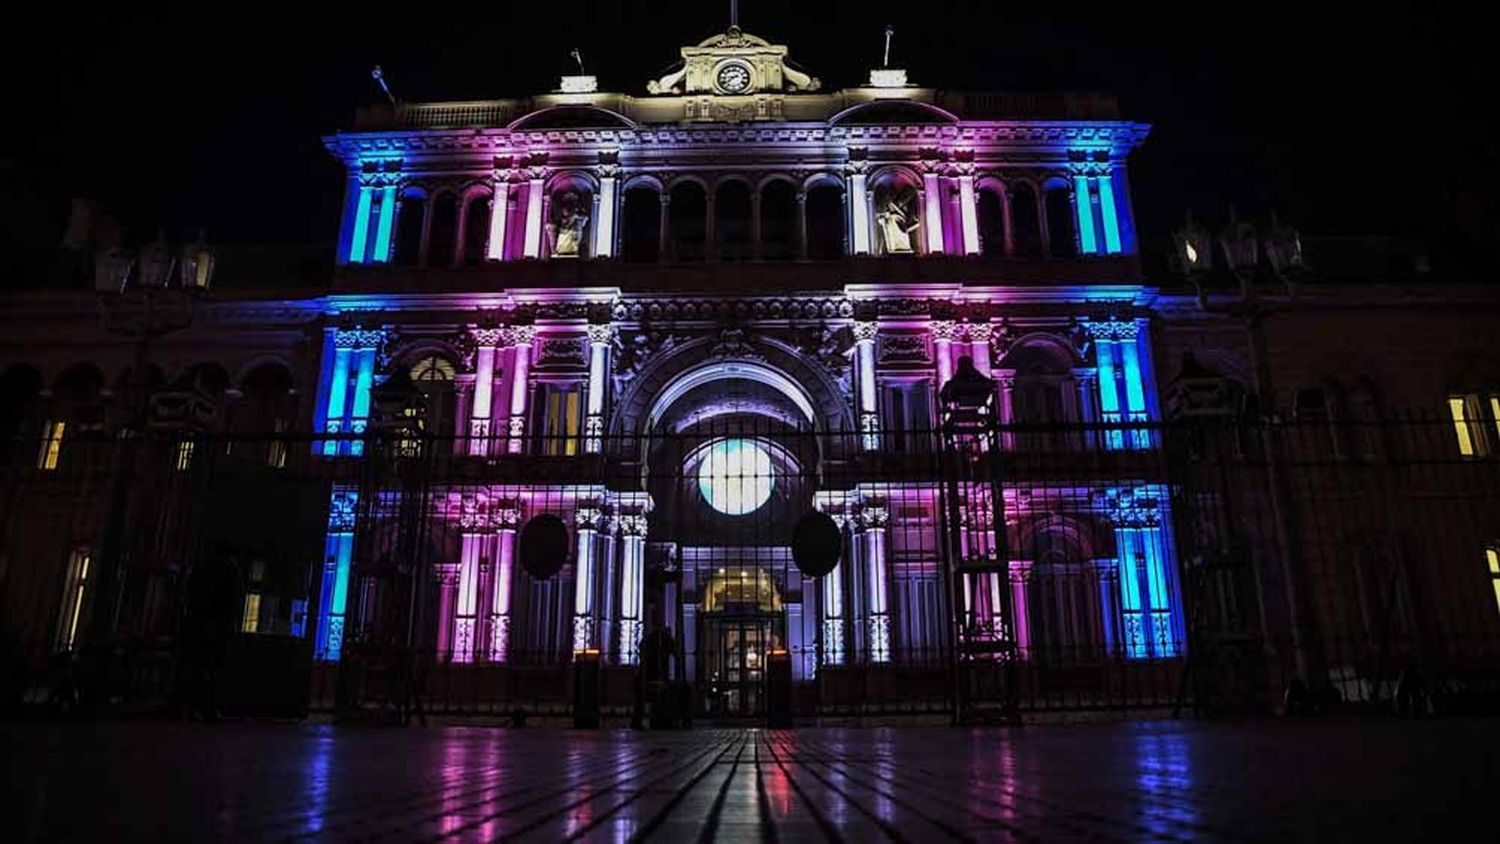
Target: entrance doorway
point(734, 660)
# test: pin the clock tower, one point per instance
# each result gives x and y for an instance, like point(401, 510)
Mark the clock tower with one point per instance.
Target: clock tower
point(733, 63)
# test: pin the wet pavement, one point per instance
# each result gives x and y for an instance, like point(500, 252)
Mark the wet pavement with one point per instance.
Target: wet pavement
point(1327, 780)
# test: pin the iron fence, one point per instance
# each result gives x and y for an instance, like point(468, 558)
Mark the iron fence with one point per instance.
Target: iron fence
point(1208, 565)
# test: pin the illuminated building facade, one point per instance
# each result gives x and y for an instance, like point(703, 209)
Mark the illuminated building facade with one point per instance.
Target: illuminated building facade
point(679, 322)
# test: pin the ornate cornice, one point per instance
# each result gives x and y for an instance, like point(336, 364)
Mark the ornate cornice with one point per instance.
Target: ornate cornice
point(721, 309)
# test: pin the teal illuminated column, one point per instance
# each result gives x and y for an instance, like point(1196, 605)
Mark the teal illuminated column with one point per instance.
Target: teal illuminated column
point(359, 238)
point(384, 223)
point(364, 380)
point(348, 407)
point(1122, 382)
point(1148, 605)
point(336, 387)
point(1109, 215)
point(1083, 203)
point(333, 592)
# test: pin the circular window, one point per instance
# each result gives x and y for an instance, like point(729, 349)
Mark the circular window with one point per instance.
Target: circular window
point(735, 476)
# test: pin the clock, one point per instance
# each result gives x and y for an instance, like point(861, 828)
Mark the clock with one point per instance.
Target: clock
point(733, 78)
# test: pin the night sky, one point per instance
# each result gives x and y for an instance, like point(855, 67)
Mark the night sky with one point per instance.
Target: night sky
point(1373, 123)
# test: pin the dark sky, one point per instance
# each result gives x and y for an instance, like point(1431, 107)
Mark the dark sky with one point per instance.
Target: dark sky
point(1368, 122)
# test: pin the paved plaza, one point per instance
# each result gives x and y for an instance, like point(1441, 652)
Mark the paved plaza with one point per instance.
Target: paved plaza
point(1315, 780)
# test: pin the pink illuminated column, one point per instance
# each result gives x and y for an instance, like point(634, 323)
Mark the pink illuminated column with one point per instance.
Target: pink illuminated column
point(486, 340)
point(968, 211)
point(605, 209)
point(873, 519)
point(942, 348)
point(521, 337)
point(632, 586)
point(932, 213)
point(864, 365)
point(585, 575)
point(532, 245)
point(1006, 378)
point(979, 345)
point(593, 423)
point(507, 517)
point(471, 565)
point(447, 575)
point(499, 214)
point(1019, 575)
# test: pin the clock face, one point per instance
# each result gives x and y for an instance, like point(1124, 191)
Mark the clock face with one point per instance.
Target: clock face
point(733, 78)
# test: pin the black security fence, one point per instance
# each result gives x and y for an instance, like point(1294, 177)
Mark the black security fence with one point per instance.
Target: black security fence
point(976, 571)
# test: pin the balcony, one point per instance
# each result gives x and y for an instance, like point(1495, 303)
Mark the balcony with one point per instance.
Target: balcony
point(738, 276)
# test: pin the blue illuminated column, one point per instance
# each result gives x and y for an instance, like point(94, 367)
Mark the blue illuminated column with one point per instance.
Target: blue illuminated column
point(864, 365)
point(353, 351)
point(1122, 382)
point(360, 236)
point(1148, 609)
point(364, 379)
point(333, 592)
point(1124, 213)
point(385, 222)
point(872, 522)
point(1083, 204)
point(1109, 215)
point(336, 388)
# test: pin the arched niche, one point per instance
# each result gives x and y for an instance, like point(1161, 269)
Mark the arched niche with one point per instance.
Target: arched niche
point(778, 220)
point(687, 218)
point(733, 210)
point(641, 221)
point(896, 219)
point(826, 219)
point(571, 218)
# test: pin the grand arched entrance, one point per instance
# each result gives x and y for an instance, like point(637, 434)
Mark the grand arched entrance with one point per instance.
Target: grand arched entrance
point(731, 463)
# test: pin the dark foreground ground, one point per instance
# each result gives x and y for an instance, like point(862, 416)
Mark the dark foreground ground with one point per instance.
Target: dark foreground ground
point(1313, 780)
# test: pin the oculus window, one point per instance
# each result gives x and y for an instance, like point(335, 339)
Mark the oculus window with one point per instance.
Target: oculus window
point(735, 476)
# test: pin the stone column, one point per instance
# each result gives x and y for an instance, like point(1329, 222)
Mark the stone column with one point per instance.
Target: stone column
point(606, 207)
point(532, 248)
point(585, 573)
point(932, 211)
point(386, 223)
point(968, 211)
point(859, 213)
point(1007, 221)
point(593, 423)
point(471, 560)
point(873, 520)
point(632, 586)
point(980, 334)
point(359, 239)
point(1006, 379)
point(446, 575)
point(710, 248)
point(507, 517)
point(1041, 221)
point(487, 340)
point(666, 248)
point(755, 233)
point(499, 212)
point(942, 349)
point(864, 363)
point(801, 233)
point(1021, 624)
point(520, 386)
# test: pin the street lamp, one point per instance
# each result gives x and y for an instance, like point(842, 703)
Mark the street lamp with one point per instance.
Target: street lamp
point(144, 296)
point(1240, 244)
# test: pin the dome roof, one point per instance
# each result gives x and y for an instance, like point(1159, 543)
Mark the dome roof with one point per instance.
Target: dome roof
point(573, 117)
point(897, 112)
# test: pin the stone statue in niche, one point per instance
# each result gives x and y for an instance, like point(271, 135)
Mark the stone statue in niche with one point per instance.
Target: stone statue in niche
point(895, 222)
point(569, 226)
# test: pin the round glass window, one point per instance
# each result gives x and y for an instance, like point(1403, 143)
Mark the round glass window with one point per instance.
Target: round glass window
point(735, 476)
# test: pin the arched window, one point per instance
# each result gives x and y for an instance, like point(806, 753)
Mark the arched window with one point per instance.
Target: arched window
point(1041, 398)
point(732, 221)
point(825, 222)
point(991, 213)
point(409, 224)
point(476, 229)
point(266, 412)
point(896, 214)
point(570, 218)
point(1064, 620)
point(434, 410)
point(442, 239)
point(1062, 239)
point(778, 221)
point(640, 226)
point(1026, 226)
point(687, 218)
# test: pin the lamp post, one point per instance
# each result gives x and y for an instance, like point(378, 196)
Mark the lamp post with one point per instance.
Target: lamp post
point(144, 297)
point(1241, 247)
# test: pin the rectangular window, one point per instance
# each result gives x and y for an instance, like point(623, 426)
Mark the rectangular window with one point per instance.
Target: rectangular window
point(908, 415)
point(560, 409)
point(1468, 424)
point(74, 590)
point(250, 618)
point(1492, 556)
point(184, 455)
point(52, 435)
point(276, 454)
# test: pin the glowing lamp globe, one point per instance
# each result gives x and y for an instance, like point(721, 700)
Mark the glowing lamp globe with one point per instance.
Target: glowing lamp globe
point(735, 476)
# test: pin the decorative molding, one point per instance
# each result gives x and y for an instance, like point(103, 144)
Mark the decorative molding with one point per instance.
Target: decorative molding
point(865, 331)
point(602, 333)
point(1129, 507)
point(733, 343)
point(488, 337)
point(359, 338)
point(1114, 329)
point(519, 335)
point(562, 351)
point(943, 329)
point(632, 525)
point(659, 310)
point(342, 510)
point(588, 518)
point(904, 348)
